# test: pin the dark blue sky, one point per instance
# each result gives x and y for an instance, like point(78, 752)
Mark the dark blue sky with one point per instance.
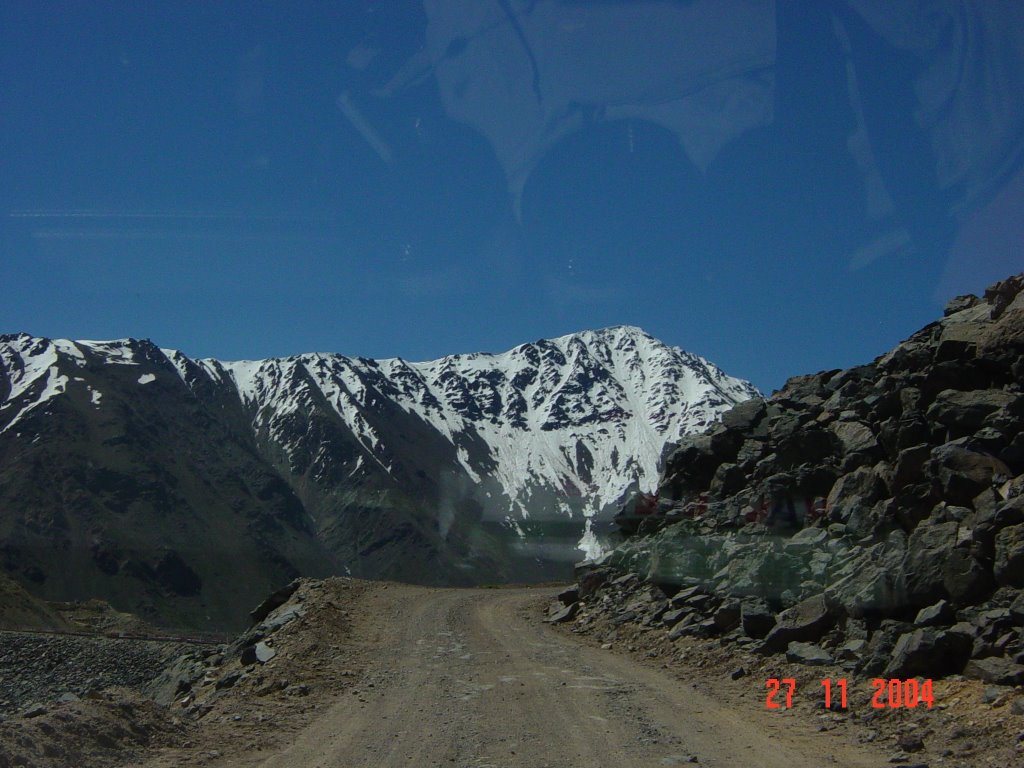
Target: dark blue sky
point(781, 187)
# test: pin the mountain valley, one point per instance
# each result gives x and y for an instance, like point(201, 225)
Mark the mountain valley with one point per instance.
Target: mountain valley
point(183, 490)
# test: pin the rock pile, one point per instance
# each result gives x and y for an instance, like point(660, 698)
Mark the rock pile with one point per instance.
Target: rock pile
point(41, 668)
point(197, 679)
point(872, 516)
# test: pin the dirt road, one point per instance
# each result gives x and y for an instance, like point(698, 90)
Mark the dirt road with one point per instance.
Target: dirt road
point(472, 678)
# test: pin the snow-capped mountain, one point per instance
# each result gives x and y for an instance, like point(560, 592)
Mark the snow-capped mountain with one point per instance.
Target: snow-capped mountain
point(377, 467)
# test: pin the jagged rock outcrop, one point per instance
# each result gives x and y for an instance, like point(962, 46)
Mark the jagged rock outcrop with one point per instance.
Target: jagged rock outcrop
point(879, 510)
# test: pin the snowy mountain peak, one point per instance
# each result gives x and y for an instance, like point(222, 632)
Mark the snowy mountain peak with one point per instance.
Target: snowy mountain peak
point(557, 429)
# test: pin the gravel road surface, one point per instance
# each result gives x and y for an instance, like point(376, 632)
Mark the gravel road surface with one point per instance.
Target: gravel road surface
point(472, 678)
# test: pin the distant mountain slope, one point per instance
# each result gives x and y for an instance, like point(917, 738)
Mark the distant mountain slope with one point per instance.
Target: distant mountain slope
point(186, 488)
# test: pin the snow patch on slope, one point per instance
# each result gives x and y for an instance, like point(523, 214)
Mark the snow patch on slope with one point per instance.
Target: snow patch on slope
point(551, 430)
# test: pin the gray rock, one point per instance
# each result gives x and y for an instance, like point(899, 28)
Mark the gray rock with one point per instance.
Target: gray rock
point(807, 653)
point(852, 650)
point(260, 653)
point(870, 579)
point(626, 580)
point(683, 627)
point(804, 446)
point(568, 613)
point(863, 486)
point(966, 578)
point(706, 628)
point(1009, 562)
point(927, 548)
point(966, 412)
point(671, 618)
point(727, 616)
point(756, 618)
point(997, 513)
point(910, 742)
point(1017, 609)
point(940, 613)
point(728, 480)
point(929, 653)
point(878, 653)
point(995, 670)
point(700, 602)
point(34, 710)
point(806, 621)
point(855, 437)
point(806, 539)
point(962, 473)
point(591, 582)
point(746, 415)
point(681, 598)
point(229, 680)
point(177, 678)
point(910, 464)
point(960, 303)
point(569, 596)
point(273, 601)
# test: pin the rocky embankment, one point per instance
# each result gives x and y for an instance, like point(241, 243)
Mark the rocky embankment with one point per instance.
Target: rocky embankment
point(100, 701)
point(68, 699)
point(36, 668)
point(871, 518)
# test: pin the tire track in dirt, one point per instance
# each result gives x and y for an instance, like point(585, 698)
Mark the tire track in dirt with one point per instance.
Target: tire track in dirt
point(472, 678)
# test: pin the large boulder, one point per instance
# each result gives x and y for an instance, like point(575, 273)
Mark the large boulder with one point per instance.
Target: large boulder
point(877, 655)
point(995, 670)
point(592, 580)
point(692, 465)
point(865, 485)
point(855, 437)
point(746, 415)
point(806, 621)
point(756, 618)
point(962, 473)
point(966, 578)
point(259, 653)
point(728, 480)
point(1009, 562)
point(563, 613)
point(759, 570)
point(805, 445)
point(273, 601)
point(728, 615)
point(966, 412)
point(910, 464)
point(928, 653)
point(870, 580)
point(960, 303)
point(993, 510)
point(935, 615)
point(927, 550)
point(808, 653)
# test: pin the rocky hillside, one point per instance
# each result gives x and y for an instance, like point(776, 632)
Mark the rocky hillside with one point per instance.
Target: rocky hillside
point(20, 610)
point(871, 517)
point(184, 489)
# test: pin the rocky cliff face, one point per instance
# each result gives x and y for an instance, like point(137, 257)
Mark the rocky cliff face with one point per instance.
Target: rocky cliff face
point(875, 513)
point(186, 489)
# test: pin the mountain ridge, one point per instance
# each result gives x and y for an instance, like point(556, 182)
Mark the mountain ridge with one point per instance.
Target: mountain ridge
point(448, 470)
